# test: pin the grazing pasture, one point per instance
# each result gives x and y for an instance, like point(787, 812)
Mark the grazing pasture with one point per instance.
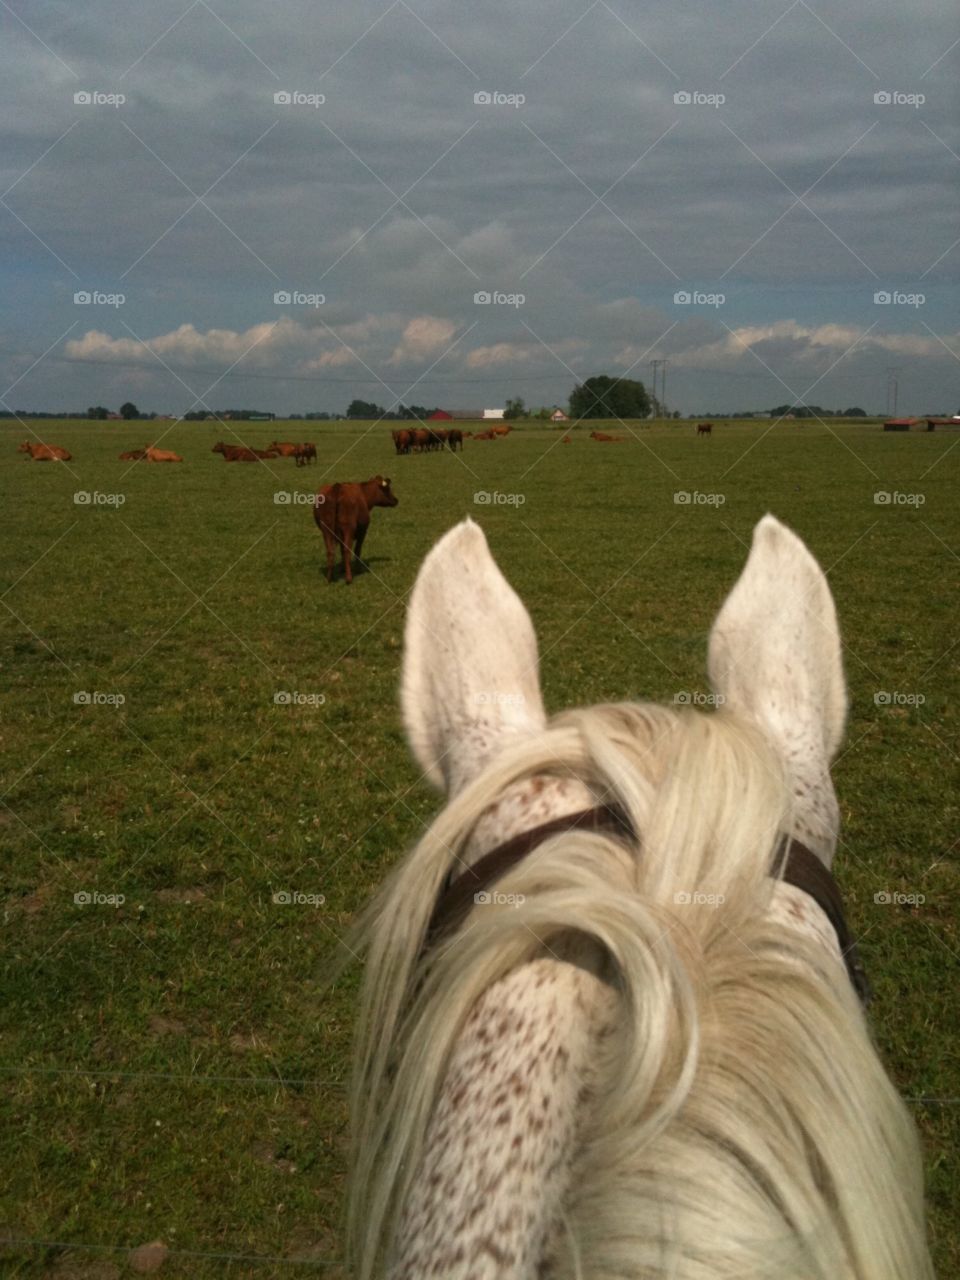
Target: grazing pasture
point(201, 738)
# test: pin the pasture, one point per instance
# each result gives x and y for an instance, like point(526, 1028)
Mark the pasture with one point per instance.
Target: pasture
point(173, 1063)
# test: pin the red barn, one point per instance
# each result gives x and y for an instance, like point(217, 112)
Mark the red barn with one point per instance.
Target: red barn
point(440, 415)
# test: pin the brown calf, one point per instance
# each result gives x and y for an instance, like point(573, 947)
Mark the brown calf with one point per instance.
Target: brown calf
point(342, 513)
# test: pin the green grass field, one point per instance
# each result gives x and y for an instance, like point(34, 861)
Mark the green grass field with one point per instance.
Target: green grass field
point(173, 1066)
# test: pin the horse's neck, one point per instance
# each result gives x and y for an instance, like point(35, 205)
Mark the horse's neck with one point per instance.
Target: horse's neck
point(523, 806)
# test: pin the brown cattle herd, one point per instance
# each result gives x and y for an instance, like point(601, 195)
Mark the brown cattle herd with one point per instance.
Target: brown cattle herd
point(341, 510)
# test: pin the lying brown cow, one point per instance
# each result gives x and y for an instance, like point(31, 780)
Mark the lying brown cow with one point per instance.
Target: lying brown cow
point(45, 452)
point(342, 513)
point(485, 435)
point(286, 448)
point(150, 454)
point(604, 438)
point(134, 455)
point(240, 452)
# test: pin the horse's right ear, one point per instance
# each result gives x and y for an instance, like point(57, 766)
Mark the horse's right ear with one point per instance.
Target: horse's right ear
point(470, 666)
point(775, 652)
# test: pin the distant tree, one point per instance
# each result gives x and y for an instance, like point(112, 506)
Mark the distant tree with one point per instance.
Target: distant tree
point(129, 410)
point(515, 409)
point(854, 413)
point(605, 397)
point(364, 409)
point(98, 411)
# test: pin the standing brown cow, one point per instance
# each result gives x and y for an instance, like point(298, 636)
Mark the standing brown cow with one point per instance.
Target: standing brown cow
point(44, 452)
point(342, 513)
point(454, 438)
point(402, 440)
point(705, 429)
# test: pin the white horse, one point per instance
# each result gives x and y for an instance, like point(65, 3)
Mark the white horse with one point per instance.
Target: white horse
point(636, 1049)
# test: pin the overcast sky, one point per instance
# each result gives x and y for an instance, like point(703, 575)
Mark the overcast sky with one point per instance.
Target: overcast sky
point(781, 198)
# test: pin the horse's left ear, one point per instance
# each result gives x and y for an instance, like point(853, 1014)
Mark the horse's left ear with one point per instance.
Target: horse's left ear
point(470, 665)
point(775, 651)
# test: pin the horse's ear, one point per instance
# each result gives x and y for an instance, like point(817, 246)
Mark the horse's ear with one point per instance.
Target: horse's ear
point(470, 667)
point(775, 653)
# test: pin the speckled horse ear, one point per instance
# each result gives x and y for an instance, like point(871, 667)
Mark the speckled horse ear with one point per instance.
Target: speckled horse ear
point(470, 666)
point(775, 657)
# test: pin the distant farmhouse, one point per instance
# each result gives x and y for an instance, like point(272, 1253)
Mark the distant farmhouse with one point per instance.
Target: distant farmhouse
point(466, 415)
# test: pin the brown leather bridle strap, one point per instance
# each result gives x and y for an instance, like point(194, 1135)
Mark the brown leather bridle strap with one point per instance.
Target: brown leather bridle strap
point(457, 897)
point(797, 864)
point(802, 868)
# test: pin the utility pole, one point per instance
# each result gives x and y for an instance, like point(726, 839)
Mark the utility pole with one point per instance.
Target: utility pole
point(662, 366)
point(892, 390)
